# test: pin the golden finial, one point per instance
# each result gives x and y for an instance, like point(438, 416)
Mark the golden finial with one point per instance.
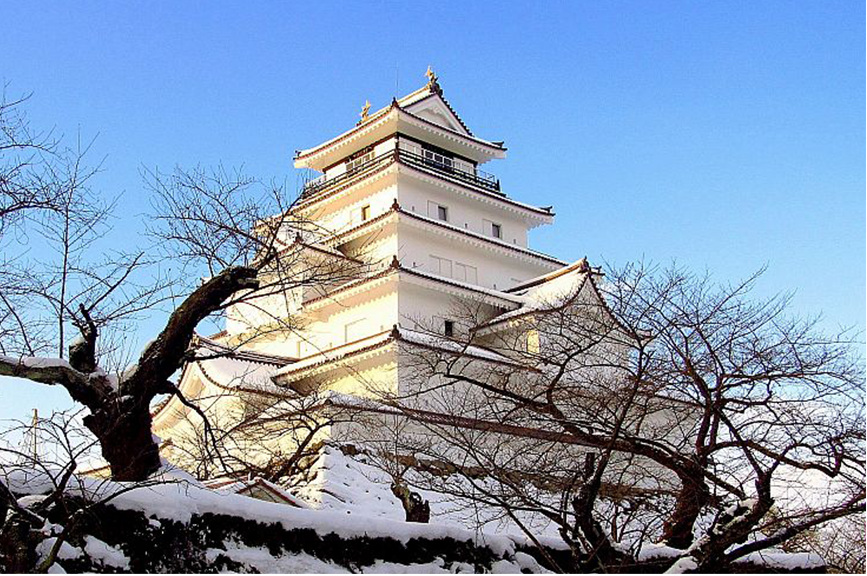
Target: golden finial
point(432, 80)
point(365, 110)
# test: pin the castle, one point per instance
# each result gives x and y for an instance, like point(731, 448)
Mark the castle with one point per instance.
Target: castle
point(404, 188)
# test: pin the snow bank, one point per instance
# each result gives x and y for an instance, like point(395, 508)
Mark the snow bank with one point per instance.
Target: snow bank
point(182, 500)
point(352, 485)
point(101, 552)
point(784, 560)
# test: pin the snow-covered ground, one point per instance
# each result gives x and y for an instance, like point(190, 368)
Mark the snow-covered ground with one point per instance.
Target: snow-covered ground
point(353, 486)
point(351, 507)
point(345, 496)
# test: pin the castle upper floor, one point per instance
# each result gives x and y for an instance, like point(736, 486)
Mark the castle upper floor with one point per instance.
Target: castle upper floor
point(424, 116)
point(419, 152)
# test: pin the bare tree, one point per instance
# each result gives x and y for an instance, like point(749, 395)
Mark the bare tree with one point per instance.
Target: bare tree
point(236, 242)
point(686, 406)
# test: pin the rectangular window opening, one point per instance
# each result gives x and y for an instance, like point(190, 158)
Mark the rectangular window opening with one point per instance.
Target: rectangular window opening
point(437, 211)
point(466, 273)
point(441, 266)
point(449, 328)
point(353, 331)
point(493, 229)
point(359, 161)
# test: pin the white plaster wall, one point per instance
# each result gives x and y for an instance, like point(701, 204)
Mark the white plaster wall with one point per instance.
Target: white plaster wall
point(370, 312)
point(342, 213)
point(380, 245)
point(464, 212)
point(422, 307)
point(495, 270)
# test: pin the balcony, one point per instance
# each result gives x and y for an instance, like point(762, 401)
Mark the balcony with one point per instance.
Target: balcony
point(443, 166)
point(430, 163)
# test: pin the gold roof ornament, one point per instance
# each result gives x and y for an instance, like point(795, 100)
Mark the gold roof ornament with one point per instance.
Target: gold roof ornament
point(365, 110)
point(433, 82)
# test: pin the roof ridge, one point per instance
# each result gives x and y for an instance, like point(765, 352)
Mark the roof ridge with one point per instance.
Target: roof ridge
point(238, 354)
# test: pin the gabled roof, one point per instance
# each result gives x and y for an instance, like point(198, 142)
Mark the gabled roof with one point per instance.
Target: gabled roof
point(410, 109)
point(431, 97)
point(537, 300)
point(577, 266)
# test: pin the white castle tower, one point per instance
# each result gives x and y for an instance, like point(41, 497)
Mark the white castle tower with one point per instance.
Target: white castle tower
point(404, 187)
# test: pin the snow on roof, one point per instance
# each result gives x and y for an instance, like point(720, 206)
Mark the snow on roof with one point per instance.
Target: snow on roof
point(219, 349)
point(239, 373)
point(239, 369)
point(448, 345)
point(579, 266)
point(241, 485)
point(492, 292)
point(334, 354)
point(545, 292)
point(413, 337)
point(317, 247)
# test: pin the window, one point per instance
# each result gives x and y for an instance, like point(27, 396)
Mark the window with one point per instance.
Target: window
point(358, 161)
point(533, 343)
point(449, 328)
point(493, 229)
point(360, 214)
point(352, 331)
point(438, 211)
point(409, 146)
point(466, 273)
point(465, 166)
point(441, 266)
point(437, 159)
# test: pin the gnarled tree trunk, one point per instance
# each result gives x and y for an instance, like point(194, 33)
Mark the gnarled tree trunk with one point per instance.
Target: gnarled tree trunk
point(692, 497)
point(125, 439)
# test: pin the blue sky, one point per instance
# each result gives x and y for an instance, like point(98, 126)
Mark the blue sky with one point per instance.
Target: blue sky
point(725, 135)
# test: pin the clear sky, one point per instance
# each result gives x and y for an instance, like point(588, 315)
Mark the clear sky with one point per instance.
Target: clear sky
point(725, 135)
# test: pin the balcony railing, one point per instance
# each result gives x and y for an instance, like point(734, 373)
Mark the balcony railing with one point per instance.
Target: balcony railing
point(476, 178)
point(431, 164)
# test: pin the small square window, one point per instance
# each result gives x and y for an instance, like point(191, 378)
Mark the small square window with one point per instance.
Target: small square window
point(496, 230)
point(449, 328)
point(443, 213)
